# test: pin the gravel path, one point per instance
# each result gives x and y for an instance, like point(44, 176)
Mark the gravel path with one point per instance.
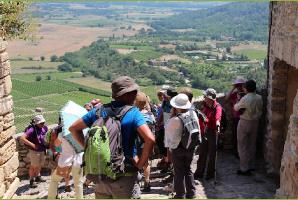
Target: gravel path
point(229, 184)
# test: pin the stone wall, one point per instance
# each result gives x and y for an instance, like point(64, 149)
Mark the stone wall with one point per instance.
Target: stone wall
point(282, 133)
point(8, 156)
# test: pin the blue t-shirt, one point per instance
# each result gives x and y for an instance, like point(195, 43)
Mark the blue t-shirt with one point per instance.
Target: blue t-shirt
point(129, 124)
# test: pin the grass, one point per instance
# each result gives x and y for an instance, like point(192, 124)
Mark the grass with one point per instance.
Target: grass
point(253, 54)
point(44, 76)
point(28, 66)
point(92, 82)
point(139, 47)
point(145, 55)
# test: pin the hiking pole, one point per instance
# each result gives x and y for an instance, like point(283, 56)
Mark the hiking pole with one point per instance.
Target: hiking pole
point(215, 163)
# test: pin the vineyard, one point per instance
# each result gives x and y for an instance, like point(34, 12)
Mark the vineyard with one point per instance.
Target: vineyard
point(50, 95)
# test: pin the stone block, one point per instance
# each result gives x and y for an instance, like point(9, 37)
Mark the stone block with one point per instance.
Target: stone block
point(2, 189)
point(12, 189)
point(6, 85)
point(7, 151)
point(2, 91)
point(8, 121)
point(1, 124)
point(3, 45)
point(4, 69)
point(278, 105)
point(1, 175)
point(4, 57)
point(11, 165)
point(4, 135)
point(12, 176)
point(6, 105)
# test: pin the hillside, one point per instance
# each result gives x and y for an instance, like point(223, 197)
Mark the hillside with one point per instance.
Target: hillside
point(242, 21)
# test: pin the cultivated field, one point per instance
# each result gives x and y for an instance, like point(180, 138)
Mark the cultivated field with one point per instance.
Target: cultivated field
point(54, 41)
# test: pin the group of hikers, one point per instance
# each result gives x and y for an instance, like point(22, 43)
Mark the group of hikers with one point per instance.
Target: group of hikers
point(122, 135)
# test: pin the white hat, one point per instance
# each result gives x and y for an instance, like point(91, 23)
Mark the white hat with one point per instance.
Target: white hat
point(239, 80)
point(164, 88)
point(180, 101)
point(38, 119)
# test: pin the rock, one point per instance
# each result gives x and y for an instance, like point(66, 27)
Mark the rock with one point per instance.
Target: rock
point(8, 120)
point(11, 165)
point(12, 176)
point(6, 105)
point(12, 189)
point(2, 189)
point(4, 57)
point(4, 69)
point(5, 86)
point(7, 151)
point(4, 135)
point(1, 175)
point(3, 45)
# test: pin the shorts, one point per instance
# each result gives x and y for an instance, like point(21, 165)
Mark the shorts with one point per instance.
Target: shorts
point(37, 158)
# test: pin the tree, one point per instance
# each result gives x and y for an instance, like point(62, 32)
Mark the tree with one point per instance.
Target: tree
point(49, 77)
point(54, 58)
point(228, 49)
point(38, 78)
point(14, 22)
point(42, 58)
point(66, 67)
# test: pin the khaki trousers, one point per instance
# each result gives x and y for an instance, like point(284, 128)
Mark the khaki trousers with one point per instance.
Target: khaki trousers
point(246, 137)
point(77, 174)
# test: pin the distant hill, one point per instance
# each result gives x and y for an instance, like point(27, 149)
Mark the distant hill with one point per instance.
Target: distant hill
point(243, 21)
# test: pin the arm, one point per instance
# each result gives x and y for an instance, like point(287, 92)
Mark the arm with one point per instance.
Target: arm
point(52, 142)
point(26, 141)
point(218, 115)
point(149, 141)
point(57, 142)
point(76, 130)
point(240, 104)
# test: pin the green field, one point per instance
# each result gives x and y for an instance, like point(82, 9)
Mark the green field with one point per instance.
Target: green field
point(253, 54)
point(145, 55)
point(28, 66)
point(44, 76)
point(139, 47)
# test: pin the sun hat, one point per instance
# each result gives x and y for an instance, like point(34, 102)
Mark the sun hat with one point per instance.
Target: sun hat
point(38, 119)
point(180, 101)
point(123, 85)
point(210, 93)
point(239, 80)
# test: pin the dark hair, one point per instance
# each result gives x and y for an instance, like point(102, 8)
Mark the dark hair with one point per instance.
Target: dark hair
point(250, 86)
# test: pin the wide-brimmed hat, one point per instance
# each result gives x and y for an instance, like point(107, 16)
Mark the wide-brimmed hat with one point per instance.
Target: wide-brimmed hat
point(141, 100)
point(239, 80)
point(180, 101)
point(38, 119)
point(123, 85)
point(210, 93)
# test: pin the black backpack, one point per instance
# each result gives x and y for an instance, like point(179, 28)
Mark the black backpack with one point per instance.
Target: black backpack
point(191, 136)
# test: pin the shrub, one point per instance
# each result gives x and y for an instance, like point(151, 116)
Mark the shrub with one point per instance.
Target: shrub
point(38, 78)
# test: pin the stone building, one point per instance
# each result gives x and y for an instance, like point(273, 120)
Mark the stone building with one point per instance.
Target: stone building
point(282, 130)
point(8, 156)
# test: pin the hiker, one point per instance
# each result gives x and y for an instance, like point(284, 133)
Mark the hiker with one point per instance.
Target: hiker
point(124, 91)
point(33, 138)
point(233, 97)
point(165, 115)
point(68, 162)
point(250, 106)
point(178, 142)
point(213, 112)
point(142, 102)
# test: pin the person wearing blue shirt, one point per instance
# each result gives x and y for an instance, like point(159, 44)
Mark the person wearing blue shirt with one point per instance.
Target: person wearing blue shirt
point(124, 91)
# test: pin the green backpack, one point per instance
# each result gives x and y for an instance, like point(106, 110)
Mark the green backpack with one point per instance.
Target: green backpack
point(103, 155)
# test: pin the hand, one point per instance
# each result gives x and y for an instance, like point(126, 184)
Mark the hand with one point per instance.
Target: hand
point(35, 146)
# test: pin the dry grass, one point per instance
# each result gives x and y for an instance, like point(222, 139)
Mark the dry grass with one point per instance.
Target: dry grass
point(167, 46)
point(125, 51)
point(92, 82)
point(251, 46)
point(58, 39)
point(174, 57)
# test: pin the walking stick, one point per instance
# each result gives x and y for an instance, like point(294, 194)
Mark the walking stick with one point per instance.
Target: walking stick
point(216, 148)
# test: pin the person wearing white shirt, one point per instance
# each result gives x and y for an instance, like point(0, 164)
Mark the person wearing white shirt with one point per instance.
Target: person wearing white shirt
point(250, 108)
point(69, 161)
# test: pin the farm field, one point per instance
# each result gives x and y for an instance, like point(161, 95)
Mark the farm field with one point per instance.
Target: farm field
point(28, 66)
point(253, 53)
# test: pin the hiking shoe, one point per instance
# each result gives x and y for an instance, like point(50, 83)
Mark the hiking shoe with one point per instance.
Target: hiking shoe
point(147, 187)
point(39, 179)
point(67, 188)
point(32, 184)
point(244, 173)
point(136, 191)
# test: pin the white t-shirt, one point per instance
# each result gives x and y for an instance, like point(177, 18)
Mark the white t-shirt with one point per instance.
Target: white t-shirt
point(68, 156)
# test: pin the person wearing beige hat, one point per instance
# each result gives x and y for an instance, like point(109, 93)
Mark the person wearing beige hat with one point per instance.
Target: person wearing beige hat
point(183, 135)
point(33, 138)
point(124, 92)
point(233, 97)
